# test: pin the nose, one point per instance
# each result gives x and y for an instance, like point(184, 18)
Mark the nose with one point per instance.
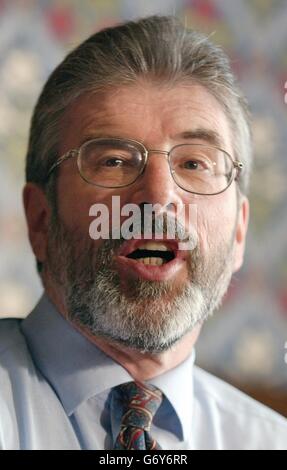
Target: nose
point(156, 185)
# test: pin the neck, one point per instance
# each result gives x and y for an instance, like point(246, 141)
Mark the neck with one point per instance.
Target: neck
point(145, 366)
point(141, 366)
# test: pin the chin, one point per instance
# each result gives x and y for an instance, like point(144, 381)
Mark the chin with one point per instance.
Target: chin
point(147, 345)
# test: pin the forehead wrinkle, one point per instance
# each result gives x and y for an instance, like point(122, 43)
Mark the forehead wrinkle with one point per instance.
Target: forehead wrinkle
point(110, 114)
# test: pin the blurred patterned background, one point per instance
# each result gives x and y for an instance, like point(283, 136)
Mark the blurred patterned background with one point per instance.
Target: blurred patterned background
point(246, 342)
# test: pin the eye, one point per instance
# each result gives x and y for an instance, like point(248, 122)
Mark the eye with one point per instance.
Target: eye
point(192, 165)
point(196, 165)
point(113, 162)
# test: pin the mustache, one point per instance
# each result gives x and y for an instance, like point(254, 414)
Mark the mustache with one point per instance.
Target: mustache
point(163, 226)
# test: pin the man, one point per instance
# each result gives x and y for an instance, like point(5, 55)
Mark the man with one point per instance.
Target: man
point(144, 114)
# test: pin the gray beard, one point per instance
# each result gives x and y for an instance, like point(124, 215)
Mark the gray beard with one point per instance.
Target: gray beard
point(146, 316)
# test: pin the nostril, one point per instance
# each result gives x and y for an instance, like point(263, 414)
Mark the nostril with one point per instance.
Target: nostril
point(171, 206)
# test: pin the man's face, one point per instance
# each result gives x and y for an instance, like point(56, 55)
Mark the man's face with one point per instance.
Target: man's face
point(146, 309)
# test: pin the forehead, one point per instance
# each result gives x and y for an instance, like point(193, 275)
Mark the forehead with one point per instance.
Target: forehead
point(146, 112)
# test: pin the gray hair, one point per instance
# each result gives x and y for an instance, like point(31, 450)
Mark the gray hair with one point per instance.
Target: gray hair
point(159, 48)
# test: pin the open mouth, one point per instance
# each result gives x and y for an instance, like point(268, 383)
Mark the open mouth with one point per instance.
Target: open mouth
point(151, 253)
point(153, 260)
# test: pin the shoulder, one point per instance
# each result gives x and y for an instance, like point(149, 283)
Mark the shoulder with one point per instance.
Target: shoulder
point(252, 424)
point(13, 355)
point(10, 335)
point(15, 358)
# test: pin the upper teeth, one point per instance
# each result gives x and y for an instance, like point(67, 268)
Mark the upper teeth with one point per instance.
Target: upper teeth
point(153, 246)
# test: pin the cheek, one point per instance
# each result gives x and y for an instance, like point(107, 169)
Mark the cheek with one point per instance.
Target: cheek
point(216, 222)
point(76, 198)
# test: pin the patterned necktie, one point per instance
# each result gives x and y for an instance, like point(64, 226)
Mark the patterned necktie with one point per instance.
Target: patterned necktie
point(141, 403)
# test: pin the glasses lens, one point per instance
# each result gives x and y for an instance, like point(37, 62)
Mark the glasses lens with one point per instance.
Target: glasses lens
point(201, 169)
point(110, 163)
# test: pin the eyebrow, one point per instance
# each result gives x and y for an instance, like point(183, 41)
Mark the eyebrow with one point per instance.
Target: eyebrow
point(208, 135)
point(96, 135)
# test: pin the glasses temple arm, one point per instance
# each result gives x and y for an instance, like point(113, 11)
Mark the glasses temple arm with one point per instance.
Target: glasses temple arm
point(239, 165)
point(65, 157)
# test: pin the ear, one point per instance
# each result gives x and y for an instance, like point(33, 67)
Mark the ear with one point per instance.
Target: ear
point(240, 233)
point(37, 211)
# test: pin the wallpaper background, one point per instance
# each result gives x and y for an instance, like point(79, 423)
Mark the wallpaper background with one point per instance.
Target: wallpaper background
point(247, 340)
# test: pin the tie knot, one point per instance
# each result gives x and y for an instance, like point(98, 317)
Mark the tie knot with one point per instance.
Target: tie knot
point(141, 403)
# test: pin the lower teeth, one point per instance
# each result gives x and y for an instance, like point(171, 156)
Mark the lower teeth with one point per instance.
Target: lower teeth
point(151, 261)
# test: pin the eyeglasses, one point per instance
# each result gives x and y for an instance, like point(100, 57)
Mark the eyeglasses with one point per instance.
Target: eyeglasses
point(117, 163)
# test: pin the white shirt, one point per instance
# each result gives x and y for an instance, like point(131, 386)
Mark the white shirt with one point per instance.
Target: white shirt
point(57, 393)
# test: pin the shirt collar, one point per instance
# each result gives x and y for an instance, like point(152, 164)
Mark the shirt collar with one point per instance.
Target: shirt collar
point(77, 369)
point(177, 385)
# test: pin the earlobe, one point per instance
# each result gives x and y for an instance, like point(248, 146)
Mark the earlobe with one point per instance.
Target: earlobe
point(240, 234)
point(37, 211)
